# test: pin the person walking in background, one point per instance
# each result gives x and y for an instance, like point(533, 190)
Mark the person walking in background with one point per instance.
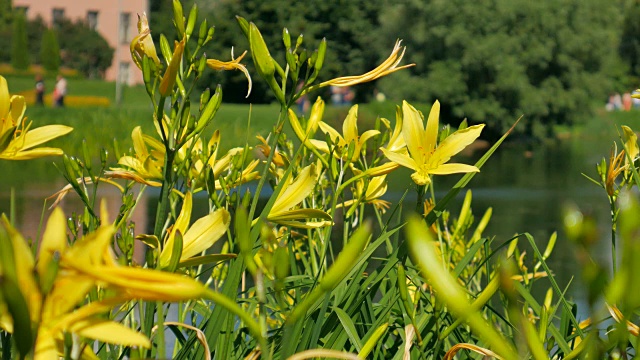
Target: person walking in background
point(39, 90)
point(626, 101)
point(60, 91)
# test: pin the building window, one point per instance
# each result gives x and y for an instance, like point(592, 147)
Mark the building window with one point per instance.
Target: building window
point(92, 19)
point(123, 73)
point(125, 19)
point(57, 16)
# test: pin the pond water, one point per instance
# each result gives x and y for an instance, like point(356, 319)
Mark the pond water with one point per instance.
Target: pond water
point(525, 184)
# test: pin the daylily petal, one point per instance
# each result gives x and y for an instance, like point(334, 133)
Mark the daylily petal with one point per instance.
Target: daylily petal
point(142, 44)
point(300, 214)
point(401, 159)
point(4, 98)
point(31, 154)
point(139, 144)
point(181, 224)
point(431, 132)
point(631, 142)
point(455, 143)
point(350, 125)
point(37, 136)
point(446, 169)
point(413, 131)
point(128, 175)
point(368, 135)
point(54, 240)
point(306, 224)
point(204, 233)
point(387, 67)
point(382, 169)
point(335, 137)
point(320, 145)
point(109, 332)
point(18, 107)
point(292, 194)
point(234, 64)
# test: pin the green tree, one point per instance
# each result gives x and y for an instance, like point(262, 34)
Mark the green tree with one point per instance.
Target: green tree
point(50, 51)
point(6, 13)
point(36, 28)
point(630, 40)
point(19, 44)
point(84, 49)
point(348, 26)
point(493, 61)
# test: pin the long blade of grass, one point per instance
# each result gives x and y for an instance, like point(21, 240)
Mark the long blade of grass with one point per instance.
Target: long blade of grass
point(471, 253)
point(554, 285)
point(435, 213)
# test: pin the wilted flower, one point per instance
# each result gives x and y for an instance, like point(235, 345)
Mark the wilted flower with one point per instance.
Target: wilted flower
point(234, 64)
point(142, 45)
point(390, 65)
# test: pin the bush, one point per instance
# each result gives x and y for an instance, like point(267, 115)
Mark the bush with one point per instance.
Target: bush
point(50, 51)
point(84, 49)
point(19, 50)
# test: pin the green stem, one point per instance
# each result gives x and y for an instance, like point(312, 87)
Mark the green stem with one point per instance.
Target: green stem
point(163, 200)
point(160, 331)
point(612, 204)
point(263, 176)
point(420, 200)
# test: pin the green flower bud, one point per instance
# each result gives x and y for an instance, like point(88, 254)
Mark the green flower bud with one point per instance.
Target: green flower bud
point(322, 51)
point(261, 56)
point(191, 22)
point(178, 18)
point(165, 48)
point(85, 155)
point(286, 38)
point(202, 33)
point(244, 26)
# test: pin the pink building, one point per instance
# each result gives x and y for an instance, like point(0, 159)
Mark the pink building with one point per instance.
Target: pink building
point(115, 20)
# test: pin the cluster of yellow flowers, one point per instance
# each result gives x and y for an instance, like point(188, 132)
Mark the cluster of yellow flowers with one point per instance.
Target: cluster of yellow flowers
point(55, 285)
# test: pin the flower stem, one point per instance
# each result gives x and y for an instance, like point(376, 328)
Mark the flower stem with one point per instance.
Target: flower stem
point(422, 189)
point(612, 204)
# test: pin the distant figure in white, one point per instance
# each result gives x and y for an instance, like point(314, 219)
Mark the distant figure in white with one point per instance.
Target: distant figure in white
point(60, 91)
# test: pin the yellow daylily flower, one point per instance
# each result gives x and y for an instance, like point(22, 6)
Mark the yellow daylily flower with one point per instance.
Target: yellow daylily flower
point(390, 65)
point(145, 166)
point(315, 117)
point(293, 193)
point(169, 77)
point(425, 156)
point(371, 194)
point(200, 236)
point(265, 149)
point(234, 64)
point(56, 312)
point(142, 45)
point(396, 143)
point(17, 141)
point(350, 132)
point(615, 168)
point(630, 145)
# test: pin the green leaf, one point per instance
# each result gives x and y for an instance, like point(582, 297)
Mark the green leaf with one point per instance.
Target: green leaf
point(349, 327)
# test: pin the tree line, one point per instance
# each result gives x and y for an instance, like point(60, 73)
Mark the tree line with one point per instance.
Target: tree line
point(32, 42)
point(489, 61)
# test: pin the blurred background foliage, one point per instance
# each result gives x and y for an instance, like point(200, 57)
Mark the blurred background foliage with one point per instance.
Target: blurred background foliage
point(489, 61)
